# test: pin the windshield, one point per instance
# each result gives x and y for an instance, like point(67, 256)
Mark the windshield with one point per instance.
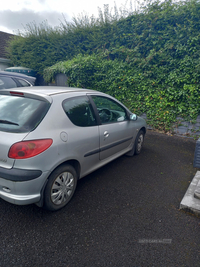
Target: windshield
point(20, 114)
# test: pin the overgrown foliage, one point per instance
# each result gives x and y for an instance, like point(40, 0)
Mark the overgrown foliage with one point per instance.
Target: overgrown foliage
point(40, 46)
point(150, 60)
point(141, 86)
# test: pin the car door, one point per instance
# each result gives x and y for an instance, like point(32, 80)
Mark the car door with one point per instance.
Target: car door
point(117, 133)
point(84, 135)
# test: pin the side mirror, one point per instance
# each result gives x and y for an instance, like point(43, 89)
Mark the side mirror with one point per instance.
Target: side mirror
point(133, 117)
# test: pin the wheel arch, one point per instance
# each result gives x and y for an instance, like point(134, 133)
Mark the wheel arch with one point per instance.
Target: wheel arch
point(74, 163)
point(143, 129)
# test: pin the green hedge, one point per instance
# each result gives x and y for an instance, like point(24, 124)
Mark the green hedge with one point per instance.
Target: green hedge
point(161, 93)
point(157, 26)
point(149, 60)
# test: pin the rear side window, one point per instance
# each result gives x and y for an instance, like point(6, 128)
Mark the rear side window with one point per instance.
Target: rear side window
point(79, 111)
point(23, 82)
point(6, 82)
point(20, 114)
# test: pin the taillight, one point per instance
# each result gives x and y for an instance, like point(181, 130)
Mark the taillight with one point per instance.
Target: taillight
point(28, 149)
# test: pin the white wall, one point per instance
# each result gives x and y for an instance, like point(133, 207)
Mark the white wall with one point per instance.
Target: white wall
point(4, 63)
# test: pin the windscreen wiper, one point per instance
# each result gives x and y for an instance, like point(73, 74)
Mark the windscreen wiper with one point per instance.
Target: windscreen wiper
point(8, 122)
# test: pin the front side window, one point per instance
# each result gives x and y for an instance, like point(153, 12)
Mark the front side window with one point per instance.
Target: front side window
point(20, 114)
point(79, 111)
point(109, 110)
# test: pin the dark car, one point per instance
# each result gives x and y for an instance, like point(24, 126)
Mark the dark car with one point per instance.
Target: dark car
point(13, 80)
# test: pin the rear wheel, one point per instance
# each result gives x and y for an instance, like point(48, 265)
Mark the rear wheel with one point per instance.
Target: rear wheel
point(60, 187)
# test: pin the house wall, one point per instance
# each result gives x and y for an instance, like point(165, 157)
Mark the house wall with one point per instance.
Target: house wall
point(4, 63)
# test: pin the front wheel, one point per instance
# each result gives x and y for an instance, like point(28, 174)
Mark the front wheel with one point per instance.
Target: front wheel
point(139, 142)
point(60, 187)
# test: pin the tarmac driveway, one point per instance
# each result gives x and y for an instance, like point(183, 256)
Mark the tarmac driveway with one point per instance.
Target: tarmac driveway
point(124, 214)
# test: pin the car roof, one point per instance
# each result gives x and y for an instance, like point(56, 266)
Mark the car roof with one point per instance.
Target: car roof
point(44, 92)
point(48, 90)
point(16, 74)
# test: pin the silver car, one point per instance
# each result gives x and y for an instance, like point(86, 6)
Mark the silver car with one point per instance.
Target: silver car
point(52, 136)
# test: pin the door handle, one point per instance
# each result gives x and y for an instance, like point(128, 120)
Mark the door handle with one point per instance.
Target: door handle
point(106, 134)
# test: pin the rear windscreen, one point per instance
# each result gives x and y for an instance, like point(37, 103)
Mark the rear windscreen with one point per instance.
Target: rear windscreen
point(20, 114)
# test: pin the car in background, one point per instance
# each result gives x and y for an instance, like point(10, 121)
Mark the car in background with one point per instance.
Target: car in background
point(13, 80)
point(52, 136)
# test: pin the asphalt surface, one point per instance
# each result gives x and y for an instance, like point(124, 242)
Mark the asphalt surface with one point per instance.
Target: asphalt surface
point(124, 214)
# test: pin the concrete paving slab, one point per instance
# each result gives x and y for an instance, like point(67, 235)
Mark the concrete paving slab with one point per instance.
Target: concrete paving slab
point(190, 202)
point(197, 190)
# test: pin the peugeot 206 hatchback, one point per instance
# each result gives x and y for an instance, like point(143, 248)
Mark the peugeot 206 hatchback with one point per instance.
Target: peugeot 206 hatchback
point(50, 137)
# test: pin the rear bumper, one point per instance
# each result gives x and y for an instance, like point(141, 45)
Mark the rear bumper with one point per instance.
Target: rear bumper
point(19, 175)
point(20, 199)
point(24, 192)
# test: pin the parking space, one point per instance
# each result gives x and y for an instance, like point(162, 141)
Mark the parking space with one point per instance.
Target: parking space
point(124, 214)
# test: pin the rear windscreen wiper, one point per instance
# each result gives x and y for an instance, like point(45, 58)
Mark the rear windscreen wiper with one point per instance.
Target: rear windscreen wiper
point(8, 122)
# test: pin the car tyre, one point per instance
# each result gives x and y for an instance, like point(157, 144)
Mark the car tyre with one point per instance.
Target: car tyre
point(139, 142)
point(60, 187)
point(137, 147)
